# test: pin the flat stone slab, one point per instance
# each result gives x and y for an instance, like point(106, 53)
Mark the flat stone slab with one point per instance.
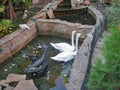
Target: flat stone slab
point(26, 85)
point(50, 14)
point(15, 77)
point(3, 83)
point(12, 78)
point(9, 88)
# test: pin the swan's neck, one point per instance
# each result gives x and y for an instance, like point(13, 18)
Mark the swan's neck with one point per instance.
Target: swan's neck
point(76, 48)
point(72, 39)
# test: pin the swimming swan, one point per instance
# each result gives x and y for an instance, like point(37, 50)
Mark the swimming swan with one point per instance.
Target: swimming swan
point(65, 46)
point(67, 55)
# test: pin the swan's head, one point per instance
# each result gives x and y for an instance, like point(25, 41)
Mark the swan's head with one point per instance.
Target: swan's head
point(78, 35)
point(73, 32)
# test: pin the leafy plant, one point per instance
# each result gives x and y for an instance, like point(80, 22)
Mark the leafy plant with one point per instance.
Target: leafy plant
point(113, 15)
point(116, 3)
point(2, 8)
point(27, 3)
point(21, 4)
point(6, 27)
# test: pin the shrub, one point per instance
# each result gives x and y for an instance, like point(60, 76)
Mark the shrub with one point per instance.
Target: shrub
point(116, 3)
point(113, 15)
point(107, 76)
point(2, 8)
point(6, 27)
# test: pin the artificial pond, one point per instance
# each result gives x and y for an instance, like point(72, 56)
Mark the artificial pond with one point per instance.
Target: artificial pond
point(46, 80)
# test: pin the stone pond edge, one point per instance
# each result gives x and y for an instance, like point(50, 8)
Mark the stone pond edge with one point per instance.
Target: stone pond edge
point(14, 42)
point(82, 62)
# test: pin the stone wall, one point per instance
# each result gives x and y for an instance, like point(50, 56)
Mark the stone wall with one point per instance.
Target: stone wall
point(61, 28)
point(48, 10)
point(12, 43)
point(41, 2)
point(82, 62)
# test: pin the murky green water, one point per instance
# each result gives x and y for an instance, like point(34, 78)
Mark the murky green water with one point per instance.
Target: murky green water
point(17, 63)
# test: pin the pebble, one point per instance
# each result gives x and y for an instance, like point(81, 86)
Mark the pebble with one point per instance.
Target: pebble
point(39, 46)
point(24, 56)
point(5, 70)
point(13, 64)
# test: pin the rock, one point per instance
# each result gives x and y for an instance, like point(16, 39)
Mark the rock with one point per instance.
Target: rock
point(35, 1)
point(15, 77)
point(26, 85)
point(41, 15)
point(77, 3)
point(50, 14)
point(9, 88)
point(87, 3)
point(3, 83)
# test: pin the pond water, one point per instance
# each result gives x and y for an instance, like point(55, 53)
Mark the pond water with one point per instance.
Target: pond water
point(17, 63)
point(75, 16)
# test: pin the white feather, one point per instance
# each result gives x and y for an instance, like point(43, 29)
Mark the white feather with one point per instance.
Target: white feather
point(65, 46)
point(67, 55)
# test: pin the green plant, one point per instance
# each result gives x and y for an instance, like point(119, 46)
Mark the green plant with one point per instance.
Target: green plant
point(21, 4)
point(107, 76)
point(2, 8)
point(6, 27)
point(27, 3)
point(113, 15)
point(116, 3)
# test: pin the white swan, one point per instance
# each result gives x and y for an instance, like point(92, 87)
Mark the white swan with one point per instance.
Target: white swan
point(65, 46)
point(67, 55)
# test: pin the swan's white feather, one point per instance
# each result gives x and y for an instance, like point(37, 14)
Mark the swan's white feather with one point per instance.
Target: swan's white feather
point(64, 56)
point(67, 55)
point(65, 46)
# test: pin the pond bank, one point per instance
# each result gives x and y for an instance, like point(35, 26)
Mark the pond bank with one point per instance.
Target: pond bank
point(82, 61)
